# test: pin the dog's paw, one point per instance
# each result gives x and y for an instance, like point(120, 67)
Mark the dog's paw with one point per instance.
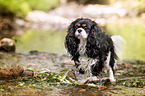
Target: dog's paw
point(95, 71)
point(112, 80)
point(81, 70)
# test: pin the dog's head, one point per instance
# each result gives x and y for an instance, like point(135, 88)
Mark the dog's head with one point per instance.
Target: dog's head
point(82, 27)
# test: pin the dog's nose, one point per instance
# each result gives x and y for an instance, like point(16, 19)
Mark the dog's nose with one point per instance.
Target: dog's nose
point(79, 30)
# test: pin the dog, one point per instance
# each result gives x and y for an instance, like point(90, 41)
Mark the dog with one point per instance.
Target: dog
point(86, 39)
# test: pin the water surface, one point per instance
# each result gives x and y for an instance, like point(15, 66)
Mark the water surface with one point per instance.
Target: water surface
point(41, 40)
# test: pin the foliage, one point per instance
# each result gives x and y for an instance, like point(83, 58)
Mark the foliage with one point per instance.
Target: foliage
point(140, 6)
point(90, 1)
point(22, 7)
point(134, 5)
point(42, 4)
point(132, 30)
point(48, 78)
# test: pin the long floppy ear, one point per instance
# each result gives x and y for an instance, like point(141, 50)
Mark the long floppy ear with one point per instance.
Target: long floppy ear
point(96, 27)
point(93, 40)
point(71, 43)
point(71, 29)
point(94, 33)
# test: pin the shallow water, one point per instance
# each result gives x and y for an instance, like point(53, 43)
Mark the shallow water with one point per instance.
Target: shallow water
point(41, 40)
point(128, 82)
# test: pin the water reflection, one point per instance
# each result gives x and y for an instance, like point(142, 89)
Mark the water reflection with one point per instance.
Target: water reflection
point(44, 41)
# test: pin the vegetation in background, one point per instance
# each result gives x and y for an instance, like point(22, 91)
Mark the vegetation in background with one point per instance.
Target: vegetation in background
point(134, 5)
point(90, 1)
point(138, 5)
point(132, 30)
point(44, 5)
point(19, 7)
point(22, 7)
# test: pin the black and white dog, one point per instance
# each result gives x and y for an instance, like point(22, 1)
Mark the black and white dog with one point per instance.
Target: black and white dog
point(86, 39)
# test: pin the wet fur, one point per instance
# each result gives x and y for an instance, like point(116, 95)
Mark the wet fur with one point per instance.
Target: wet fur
point(98, 46)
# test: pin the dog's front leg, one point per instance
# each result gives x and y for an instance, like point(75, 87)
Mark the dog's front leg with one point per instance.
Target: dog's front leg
point(110, 69)
point(97, 68)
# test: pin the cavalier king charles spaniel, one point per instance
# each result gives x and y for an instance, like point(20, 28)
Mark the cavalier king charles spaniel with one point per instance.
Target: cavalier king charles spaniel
point(90, 48)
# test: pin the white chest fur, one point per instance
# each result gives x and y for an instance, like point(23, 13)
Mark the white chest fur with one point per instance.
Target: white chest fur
point(82, 46)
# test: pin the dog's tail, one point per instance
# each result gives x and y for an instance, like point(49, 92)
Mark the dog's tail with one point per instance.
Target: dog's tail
point(118, 43)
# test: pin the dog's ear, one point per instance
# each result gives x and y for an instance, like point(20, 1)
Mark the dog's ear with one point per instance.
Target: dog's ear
point(96, 28)
point(71, 43)
point(71, 29)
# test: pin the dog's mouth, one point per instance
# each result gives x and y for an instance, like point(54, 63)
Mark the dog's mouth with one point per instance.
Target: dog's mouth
point(81, 33)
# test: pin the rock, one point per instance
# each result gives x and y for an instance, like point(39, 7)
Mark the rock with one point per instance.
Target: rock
point(60, 19)
point(11, 72)
point(7, 45)
point(27, 73)
point(46, 21)
point(20, 22)
point(17, 71)
point(92, 11)
point(14, 72)
point(5, 73)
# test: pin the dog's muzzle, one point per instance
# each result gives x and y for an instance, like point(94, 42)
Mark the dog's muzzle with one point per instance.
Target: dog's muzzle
point(80, 32)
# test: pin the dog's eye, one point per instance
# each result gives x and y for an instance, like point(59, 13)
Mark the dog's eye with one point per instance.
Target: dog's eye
point(84, 25)
point(78, 25)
